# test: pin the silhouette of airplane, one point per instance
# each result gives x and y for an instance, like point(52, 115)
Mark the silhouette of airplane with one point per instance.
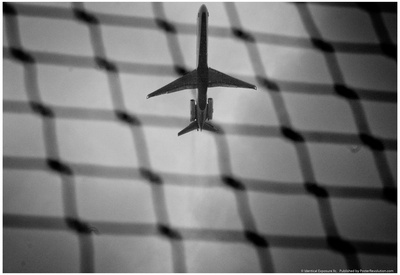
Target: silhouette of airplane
point(201, 78)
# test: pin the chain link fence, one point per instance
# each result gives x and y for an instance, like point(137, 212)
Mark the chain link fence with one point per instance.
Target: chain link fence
point(302, 176)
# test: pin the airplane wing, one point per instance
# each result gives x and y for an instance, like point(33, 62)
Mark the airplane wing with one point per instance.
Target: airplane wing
point(218, 79)
point(188, 81)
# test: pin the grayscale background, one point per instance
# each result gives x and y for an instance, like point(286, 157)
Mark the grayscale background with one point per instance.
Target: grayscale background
point(304, 175)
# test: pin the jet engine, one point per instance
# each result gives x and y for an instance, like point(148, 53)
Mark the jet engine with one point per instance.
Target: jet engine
point(192, 110)
point(210, 109)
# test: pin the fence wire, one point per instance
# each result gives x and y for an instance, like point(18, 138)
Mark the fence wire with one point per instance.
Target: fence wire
point(241, 187)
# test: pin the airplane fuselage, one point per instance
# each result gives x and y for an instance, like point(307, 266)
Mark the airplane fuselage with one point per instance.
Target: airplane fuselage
point(202, 67)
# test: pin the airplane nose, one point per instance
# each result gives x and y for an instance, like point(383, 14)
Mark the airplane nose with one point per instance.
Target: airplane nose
point(203, 9)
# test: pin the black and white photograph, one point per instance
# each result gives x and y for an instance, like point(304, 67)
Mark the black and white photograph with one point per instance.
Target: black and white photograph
point(200, 137)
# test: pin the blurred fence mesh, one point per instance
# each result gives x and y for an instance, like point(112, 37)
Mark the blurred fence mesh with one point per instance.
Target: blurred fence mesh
point(263, 243)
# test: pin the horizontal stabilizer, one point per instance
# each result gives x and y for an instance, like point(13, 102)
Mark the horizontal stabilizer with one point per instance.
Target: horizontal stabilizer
point(192, 126)
point(209, 127)
point(218, 79)
point(188, 81)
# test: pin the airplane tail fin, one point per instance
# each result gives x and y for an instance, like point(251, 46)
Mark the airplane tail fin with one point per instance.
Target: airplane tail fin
point(192, 126)
point(209, 127)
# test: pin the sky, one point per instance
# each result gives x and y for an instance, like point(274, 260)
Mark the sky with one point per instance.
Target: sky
point(250, 158)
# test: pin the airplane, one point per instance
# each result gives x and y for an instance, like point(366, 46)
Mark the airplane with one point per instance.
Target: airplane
point(201, 78)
